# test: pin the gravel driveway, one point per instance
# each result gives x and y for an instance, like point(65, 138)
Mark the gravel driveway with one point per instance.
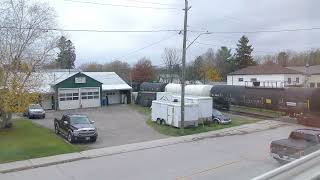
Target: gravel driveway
point(117, 125)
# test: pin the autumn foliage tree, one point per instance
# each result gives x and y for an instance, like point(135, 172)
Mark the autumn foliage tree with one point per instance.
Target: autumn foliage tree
point(24, 49)
point(143, 71)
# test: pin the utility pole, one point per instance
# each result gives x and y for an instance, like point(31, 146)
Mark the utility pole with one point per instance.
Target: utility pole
point(186, 9)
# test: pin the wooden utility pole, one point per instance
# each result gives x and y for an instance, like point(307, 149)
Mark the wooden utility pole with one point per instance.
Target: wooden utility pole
point(186, 9)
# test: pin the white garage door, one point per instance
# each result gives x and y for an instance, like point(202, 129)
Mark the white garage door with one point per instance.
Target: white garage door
point(90, 97)
point(69, 98)
point(113, 97)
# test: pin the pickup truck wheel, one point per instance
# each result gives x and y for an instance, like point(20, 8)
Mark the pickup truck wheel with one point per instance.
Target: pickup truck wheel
point(93, 139)
point(70, 138)
point(56, 129)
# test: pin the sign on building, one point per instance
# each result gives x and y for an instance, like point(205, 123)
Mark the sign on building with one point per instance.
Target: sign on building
point(80, 80)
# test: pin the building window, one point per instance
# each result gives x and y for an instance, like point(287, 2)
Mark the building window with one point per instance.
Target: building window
point(68, 96)
point(253, 79)
point(318, 85)
point(289, 80)
point(312, 85)
point(240, 79)
point(297, 80)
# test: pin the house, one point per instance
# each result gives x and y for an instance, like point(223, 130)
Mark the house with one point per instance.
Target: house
point(169, 78)
point(312, 75)
point(73, 89)
point(270, 76)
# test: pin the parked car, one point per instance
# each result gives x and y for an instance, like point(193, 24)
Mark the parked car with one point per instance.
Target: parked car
point(35, 111)
point(76, 128)
point(300, 142)
point(219, 118)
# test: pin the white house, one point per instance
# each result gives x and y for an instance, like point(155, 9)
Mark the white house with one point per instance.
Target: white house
point(312, 75)
point(273, 76)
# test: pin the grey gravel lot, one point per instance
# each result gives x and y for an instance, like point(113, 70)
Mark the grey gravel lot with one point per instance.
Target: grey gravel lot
point(117, 125)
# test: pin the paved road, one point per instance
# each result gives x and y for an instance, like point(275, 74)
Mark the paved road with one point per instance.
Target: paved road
point(117, 125)
point(231, 157)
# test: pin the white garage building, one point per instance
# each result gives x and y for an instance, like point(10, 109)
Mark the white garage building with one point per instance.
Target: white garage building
point(73, 90)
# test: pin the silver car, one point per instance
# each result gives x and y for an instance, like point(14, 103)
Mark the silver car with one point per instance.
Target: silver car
point(35, 111)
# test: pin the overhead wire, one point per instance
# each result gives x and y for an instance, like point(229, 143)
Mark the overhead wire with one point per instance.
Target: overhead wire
point(122, 5)
point(92, 30)
point(145, 47)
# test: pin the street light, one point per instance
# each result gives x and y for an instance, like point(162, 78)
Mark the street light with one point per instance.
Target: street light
point(198, 37)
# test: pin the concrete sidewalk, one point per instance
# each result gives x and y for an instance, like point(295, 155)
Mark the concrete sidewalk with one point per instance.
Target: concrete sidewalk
point(63, 158)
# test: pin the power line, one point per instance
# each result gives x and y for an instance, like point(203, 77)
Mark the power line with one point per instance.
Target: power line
point(121, 5)
point(145, 2)
point(145, 47)
point(261, 31)
point(92, 30)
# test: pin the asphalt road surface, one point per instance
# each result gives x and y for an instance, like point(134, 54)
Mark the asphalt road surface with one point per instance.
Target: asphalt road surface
point(231, 157)
point(117, 125)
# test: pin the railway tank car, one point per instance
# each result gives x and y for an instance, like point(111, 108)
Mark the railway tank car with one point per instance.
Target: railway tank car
point(148, 93)
point(291, 100)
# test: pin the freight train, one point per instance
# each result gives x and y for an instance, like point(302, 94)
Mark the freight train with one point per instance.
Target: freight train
point(292, 100)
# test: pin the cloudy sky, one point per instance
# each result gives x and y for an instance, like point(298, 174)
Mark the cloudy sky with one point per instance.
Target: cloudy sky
point(205, 15)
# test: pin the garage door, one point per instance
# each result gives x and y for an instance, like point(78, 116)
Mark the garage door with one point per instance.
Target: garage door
point(90, 97)
point(113, 97)
point(69, 99)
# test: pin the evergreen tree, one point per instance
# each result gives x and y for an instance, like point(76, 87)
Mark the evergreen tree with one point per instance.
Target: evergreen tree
point(243, 56)
point(67, 55)
point(225, 61)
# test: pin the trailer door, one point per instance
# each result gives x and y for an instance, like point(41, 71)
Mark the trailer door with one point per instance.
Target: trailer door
point(170, 114)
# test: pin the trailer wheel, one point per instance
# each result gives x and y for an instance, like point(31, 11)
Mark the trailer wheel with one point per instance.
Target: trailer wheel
point(163, 122)
point(158, 121)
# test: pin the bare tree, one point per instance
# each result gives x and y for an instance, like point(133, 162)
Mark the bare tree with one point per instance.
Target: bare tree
point(123, 69)
point(25, 46)
point(172, 60)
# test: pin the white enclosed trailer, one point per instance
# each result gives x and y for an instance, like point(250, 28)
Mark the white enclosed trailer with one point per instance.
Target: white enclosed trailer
point(170, 113)
point(204, 103)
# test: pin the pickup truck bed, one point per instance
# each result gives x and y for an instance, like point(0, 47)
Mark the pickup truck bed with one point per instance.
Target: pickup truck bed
point(299, 143)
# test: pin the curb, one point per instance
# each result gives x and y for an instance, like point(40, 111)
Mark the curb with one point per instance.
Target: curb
point(108, 151)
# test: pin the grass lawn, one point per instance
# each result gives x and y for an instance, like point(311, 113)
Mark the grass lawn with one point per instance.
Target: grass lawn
point(26, 140)
point(172, 131)
point(142, 110)
point(258, 111)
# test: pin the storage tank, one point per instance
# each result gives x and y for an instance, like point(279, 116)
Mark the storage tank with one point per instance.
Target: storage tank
point(198, 90)
point(194, 90)
point(173, 88)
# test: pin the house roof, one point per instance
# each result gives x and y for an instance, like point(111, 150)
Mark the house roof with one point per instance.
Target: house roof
point(264, 69)
point(311, 70)
point(109, 80)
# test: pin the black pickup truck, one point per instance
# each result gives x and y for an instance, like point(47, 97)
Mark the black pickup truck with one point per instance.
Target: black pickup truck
point(75, 128)
point(300, 142)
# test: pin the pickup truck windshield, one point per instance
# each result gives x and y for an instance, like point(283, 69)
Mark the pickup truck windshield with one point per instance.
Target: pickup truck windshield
point(79, 120)
point(303, 136)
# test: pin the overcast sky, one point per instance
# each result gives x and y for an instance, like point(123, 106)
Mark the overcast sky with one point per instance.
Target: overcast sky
point(211, 15)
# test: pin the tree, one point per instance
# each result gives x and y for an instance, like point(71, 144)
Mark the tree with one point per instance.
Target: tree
point(91, 67)
point(225, 62)
point(211, 73)
point(22, 52)
point(172, 60)
point(143, 71)
point(123, 69)
point(243, 56)
point(67, 54)
point(283, 59)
